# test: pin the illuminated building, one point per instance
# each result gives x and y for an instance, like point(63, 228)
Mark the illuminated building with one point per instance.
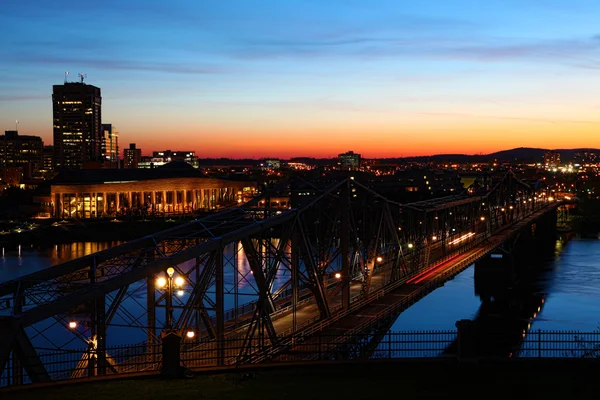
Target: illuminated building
point(77, 109)
point(174, 189)
point(585, 157)
point(110, 146)
point(349, 160)
point(48, 158)
point(274, 164)
point(132, 156)
point(160, 158)
point(21, 151)
point(552, 159)
point(11, 176)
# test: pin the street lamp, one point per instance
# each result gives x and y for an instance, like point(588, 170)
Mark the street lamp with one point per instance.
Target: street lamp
point(379, 259)
point(169, 284)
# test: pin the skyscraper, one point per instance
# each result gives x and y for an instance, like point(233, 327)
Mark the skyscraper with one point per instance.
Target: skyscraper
point(77, 109)
point(110, 146)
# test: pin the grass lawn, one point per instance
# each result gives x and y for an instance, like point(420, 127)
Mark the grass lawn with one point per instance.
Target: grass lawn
point(377, 380)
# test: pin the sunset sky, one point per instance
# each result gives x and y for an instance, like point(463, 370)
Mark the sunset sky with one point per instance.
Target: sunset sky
point(284, 78)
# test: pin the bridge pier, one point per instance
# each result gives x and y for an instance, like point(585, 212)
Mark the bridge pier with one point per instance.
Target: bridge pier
point(505, 266)
point(508, 284)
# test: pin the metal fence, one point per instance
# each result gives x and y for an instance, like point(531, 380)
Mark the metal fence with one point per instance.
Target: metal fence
point(142, 358)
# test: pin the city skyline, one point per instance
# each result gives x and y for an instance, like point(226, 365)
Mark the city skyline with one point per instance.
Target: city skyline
point(302, 78)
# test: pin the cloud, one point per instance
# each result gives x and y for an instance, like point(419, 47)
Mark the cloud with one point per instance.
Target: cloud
point(578, 52)
point(22, 98)
point(550, 121)
point(128, 65)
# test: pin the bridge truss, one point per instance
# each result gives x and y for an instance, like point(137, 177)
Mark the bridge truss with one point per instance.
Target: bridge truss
point(258, 273)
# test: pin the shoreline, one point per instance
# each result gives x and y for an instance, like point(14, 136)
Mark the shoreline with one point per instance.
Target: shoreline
point(50, 232)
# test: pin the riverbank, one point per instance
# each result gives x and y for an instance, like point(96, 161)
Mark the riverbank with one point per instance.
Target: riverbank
point(430, 378)
point(49, 232)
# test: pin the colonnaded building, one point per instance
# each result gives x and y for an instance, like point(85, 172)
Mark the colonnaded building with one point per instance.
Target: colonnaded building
point(172, 189)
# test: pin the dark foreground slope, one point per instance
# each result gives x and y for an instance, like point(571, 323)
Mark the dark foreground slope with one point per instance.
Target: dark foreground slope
point(374, 380)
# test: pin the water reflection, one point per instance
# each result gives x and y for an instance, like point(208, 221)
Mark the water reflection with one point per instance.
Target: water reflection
point(23, 260)
point(567, 279)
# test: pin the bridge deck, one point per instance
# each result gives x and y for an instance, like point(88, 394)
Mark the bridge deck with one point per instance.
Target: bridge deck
point(382, 303)
point(401, 298)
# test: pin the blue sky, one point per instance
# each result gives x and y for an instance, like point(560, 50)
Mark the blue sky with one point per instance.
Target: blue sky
point(290, 77)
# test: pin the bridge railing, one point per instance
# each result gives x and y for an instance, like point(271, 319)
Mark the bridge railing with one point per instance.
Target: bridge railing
point(67, 364)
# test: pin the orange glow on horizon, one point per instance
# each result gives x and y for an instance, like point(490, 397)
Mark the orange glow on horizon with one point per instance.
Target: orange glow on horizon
point(386, 139)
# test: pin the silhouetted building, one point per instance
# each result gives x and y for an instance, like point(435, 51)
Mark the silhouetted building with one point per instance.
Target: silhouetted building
point(48, 158)
point(110, 146)
point(349, 160)
point(585, 157)
point(132, 156)
point(21, 151)
point(77, 109)
point(552, 159)
point(11, 176)
point(272, 163)
point(160, 158)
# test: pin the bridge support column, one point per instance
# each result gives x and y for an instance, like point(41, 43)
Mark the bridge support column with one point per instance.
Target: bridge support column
point(220, 309)
point(151, 317)
point(101, 335)
point(344, 247)
point(295, 263)
point(493, 274)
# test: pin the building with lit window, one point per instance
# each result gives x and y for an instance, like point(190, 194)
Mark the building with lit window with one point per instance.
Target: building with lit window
point(349, 160)
point(21, 151)
point(160, 158)
point(132, 156)
point(48, 159)
point(77, 109)
point(552, 159)
point(174, 189)
point(585, 157)
point(110, 146)
point(272, 163)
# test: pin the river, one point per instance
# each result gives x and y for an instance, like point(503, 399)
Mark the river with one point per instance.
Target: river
point(568, 279)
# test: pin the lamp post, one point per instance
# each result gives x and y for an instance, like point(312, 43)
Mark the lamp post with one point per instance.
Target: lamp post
point(171, 339)
point(169, 284)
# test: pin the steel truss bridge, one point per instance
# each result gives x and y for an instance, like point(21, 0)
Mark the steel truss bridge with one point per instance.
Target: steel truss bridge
point(257, 280)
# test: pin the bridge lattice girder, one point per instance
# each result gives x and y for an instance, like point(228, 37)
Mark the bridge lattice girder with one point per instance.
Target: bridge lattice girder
point(340, 228)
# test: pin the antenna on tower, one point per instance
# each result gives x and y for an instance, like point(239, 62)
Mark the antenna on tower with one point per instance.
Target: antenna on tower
point(66, 73)
point(82, 76)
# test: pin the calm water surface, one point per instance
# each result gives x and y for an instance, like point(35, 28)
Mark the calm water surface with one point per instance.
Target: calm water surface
point(569, 281)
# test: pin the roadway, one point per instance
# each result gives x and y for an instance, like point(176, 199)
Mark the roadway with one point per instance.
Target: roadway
point(382, 302)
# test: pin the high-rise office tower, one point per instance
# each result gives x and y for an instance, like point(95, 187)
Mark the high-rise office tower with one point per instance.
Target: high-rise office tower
point(21, 151)
point(77, 109)
point(110, 146)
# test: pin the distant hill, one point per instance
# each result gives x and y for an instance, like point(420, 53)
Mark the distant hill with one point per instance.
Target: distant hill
point(520, 154)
